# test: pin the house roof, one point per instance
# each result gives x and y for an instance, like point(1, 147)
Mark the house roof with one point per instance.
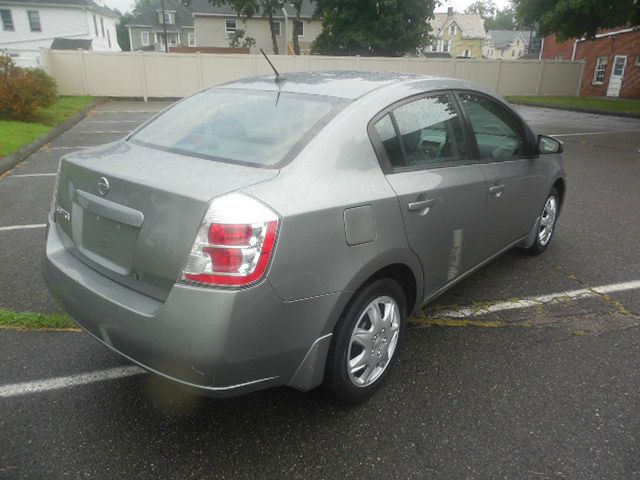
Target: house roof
point(504, 38)
point(471, 24)
point(205, 7)
point(94, 6)
point(61, 43)
point(147, 15)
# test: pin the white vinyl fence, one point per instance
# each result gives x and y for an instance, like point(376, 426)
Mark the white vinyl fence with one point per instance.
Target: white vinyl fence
point(152, 74)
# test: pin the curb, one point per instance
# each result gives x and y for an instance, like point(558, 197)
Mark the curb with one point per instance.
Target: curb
point(580, 110)
point(11, 160)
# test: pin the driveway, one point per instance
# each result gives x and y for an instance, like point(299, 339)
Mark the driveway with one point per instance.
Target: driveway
point(537, 379)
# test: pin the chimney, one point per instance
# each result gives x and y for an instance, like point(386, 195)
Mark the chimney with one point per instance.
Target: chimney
point(450, 12)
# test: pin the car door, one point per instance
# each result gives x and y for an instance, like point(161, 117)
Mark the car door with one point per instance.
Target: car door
point(426, 157)
point(512, 171)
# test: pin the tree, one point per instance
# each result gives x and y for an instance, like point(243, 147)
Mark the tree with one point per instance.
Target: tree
point(297, 5)
point(123, 33)
point(494, 18)
point(577, 18)
point(247, 9)
point(373, 27)
point(484, 8)
point(504, 19)
point(240, 41)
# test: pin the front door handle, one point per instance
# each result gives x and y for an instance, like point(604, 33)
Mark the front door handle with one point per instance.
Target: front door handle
point(496, 190)
point(421, 204)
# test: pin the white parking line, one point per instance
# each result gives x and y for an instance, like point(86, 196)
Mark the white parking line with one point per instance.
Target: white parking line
point(589, 133)
point(540, 300)
point(25, 175)
point(22, 227)
point(115, 121)
point(68, 148)
point(16, 389)
point(24, 388)
point(84, 132)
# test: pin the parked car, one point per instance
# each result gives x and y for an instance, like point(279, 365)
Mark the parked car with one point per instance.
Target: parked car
point(266, 233)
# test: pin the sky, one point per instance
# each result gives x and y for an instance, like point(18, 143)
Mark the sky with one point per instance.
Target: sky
point(458, 5)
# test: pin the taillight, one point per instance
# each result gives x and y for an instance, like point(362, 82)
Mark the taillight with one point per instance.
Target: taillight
point(234, 243)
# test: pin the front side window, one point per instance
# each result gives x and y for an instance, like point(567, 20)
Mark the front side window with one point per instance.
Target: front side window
point(430, 133)
point(276, 28)
point(145, 39)
point(298, 27)
point(452, 30)
point(600, 70)
point(102, 25)
point(192, 39)
point(34, 20)
point(445, 46)
point(500, 135)
point(240, 126)
point(95, 25)
point(7, 20)
point(230, 27)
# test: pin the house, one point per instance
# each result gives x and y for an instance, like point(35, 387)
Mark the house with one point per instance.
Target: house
point(460, 34)
point(31, 25)
point(508, 44)
point(612, 61)
point(202, 24)
point(146, 29)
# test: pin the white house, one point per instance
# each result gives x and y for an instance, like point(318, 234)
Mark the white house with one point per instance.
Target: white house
point(30, 25)
point(507, 44)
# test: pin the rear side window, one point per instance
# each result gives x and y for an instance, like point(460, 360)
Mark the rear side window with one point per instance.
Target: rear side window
point(500, 135)
point(427, 132)
point(250, 127)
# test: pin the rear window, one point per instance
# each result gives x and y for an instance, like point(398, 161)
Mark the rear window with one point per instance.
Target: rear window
point(257, 128)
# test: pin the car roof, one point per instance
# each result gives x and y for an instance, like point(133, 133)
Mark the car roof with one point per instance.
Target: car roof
point(342, 84)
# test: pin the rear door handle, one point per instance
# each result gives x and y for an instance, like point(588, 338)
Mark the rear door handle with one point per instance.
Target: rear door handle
point(496, 190)
point(421, 204)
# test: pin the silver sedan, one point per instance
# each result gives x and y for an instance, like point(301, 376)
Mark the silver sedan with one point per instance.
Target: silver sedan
point(274, 232)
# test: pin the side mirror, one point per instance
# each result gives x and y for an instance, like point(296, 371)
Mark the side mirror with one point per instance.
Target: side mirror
point(548, 144)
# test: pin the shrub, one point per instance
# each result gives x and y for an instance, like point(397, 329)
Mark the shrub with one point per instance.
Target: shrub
point(23, 91)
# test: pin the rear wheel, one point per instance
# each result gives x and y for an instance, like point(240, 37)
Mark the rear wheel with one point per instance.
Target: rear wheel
point(366, 341)
point(547, 224)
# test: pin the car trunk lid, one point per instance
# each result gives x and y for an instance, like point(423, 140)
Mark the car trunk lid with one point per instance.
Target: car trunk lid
point(132, 212)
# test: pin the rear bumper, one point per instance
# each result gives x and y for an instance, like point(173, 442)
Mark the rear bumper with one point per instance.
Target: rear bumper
point(220, 342)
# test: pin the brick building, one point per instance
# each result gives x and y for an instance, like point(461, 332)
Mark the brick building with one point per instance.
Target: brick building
point(612, 59)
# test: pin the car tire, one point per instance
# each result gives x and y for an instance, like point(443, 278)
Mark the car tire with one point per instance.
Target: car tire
point(365, 345)
point(546, 226)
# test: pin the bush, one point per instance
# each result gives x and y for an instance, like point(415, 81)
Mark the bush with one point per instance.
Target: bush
point(23, 91)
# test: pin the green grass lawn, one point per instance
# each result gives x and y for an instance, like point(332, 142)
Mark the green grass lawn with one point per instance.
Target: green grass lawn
point(16, 134)
point(618, 105)
point(34, 321)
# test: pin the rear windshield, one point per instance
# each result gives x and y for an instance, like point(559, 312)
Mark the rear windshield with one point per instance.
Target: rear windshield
point(257, 128)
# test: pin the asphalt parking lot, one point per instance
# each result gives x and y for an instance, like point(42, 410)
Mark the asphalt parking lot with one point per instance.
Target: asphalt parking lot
point(539, 378)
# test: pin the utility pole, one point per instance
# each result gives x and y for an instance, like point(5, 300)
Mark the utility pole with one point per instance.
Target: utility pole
point(164, 27)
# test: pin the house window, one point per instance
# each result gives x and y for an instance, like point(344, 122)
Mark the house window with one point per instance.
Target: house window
point(7, 20)
point(276, 28)
point(445, 46)
point(466, 54)
point(34, 20)
point(230, 27)
point(434, 47)
point(452, 30)
point(95, 25)
point(145, 39)
point(600, 70)
point(638, 60)
point(174, 39)
point(102, 26)
point(192, 39)
point(109, 38)
point(298, 28)
point(513, 53)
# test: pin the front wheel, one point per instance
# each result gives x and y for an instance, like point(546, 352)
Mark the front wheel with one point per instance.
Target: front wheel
point(547, 224)
point(366, 341)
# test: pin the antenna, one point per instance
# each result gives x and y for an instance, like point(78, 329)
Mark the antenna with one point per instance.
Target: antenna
point(278, 77)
